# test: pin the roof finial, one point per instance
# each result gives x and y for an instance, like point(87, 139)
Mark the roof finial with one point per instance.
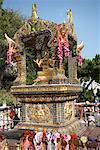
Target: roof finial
point(69, 15)
point(34, 12)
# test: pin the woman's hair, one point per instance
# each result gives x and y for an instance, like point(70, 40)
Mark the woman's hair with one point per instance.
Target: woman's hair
point(2, 137)
point(58, 140)
point(63, 142)
point(30, 139)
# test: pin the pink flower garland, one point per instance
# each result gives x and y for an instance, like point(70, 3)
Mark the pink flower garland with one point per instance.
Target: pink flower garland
point(66, 52)
point(9, 54)
point(60, 52)
point(62, 44)
point(79, 59)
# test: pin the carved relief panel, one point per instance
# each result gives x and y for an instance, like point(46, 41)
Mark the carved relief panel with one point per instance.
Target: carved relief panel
point(39, 113)
point(68, 111)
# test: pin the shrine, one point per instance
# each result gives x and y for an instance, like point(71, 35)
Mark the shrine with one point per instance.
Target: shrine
point(50, 51)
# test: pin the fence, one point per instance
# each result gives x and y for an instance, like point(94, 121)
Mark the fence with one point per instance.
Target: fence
point(6, 122)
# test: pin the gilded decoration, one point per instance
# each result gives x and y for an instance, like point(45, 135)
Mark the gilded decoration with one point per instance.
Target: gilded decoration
point(48, 45)
point(68, 109)
point(46, 36)
point(46, 88)
point(39, 113)
point(40, 48)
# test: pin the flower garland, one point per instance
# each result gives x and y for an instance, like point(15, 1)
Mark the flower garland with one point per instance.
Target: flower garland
point(79, 49)
point(63, 46)
point(10, 49)
point(79, 59)
point(76, 49)
point(9, 53)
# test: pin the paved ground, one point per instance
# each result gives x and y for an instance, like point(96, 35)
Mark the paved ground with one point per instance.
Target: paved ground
point(14, 134)
point(92, 132)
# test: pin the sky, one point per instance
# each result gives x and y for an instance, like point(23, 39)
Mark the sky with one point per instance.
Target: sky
point(86, 18)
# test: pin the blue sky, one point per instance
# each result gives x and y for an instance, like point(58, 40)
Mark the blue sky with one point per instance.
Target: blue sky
point(86, 18)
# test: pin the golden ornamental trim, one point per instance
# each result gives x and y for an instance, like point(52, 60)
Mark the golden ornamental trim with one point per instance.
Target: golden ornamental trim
point(45, 88)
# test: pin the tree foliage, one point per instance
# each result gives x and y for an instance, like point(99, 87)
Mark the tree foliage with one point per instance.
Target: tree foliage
point(1, 2)
point(7, 97)
point(10, 22)
point(90, 68)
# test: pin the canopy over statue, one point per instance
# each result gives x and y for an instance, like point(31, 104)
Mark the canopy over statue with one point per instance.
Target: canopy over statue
point(51, 43)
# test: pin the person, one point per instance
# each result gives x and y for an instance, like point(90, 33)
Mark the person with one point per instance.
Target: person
point(2, 142)
point(81, 110)
point(58, 144)
point(27, 141)
point(63, 144)
point(38, 140)
point(31, 146)
point(98, 142)
point(16, 119)
point(50, 140)
point(58, 141)
point(0, 128)
point(12, 115)
point(44, 140)
point(91, 119)
point(87, 116)
point(66, 139)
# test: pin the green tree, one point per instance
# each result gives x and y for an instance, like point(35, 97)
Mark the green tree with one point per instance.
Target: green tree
point(90, 68)
point(7, 97)
point(1, 2)
point(10, 22)
point(96, 68)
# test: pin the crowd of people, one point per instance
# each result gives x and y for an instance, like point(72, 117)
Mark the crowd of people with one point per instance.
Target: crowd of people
point(56, 141)
point(88, 115)
point(42, 140)
point(2, 142)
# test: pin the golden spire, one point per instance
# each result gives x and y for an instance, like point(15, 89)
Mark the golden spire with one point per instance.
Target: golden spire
point(69, 15)
point(34, 12)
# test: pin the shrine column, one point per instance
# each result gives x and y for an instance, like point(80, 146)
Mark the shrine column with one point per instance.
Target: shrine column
point(72, 69)
point(21, 67)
